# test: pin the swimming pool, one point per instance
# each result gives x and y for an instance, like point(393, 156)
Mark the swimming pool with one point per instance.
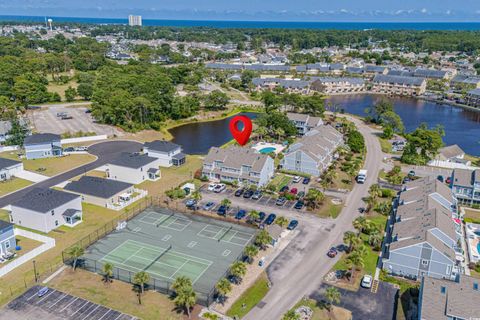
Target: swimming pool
point(267, 150)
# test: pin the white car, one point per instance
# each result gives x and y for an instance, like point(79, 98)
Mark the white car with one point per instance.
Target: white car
point(219, 188)
point(367, 281)
point(212, 186)
point(297, 179)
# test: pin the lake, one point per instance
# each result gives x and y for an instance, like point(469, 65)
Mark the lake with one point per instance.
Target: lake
point(461, 126)
point(198, 137)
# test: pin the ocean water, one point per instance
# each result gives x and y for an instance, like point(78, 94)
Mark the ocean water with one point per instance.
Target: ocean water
point(263, 24)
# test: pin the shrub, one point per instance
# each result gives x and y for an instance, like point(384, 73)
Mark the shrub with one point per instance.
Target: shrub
point(388, 193)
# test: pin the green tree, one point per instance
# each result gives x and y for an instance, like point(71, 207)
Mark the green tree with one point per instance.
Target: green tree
point(375, 239)
point(314, 198)
point(387, 132)
point(185, 298)
point(333, 296)
point(355, 141)
point(85, 90)
point(281, 221)
point(140, 279)
point(180, 283)
point(17, 134)
point(226, 202)
point(238, 269)
point(70, 94)
point(422, 145)
point(291, 315)
point(223, 288)
point(263, 239)
point(250, 252)
point(351, 240)
point(253, 215)
point(216, 100)
point(75, 252)
point(107, 272)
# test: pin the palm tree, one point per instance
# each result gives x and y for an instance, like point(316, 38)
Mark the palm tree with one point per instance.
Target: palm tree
point(375, 239)
point(238, 270)
point(107, 272)
point(291, 315)
point(254, 215)
point(226, 202)
point(181, 282)
point(223, 288)
point(263, 239)
point(76, 252)
point(261, 132)
point(250, 252)
point(186, 298)
point(282, 221)
point(355, 261)
point(197, 196)
point(362, 224)
point(333, 297)
point(350, 239)
point(314, 198)
point(375, 191)
point(140, 279)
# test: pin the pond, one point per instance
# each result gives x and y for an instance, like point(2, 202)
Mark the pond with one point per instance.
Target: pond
point(198, 137)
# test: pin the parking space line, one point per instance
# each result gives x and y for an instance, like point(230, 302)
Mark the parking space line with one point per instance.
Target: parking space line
point(48, 294)
point(76, 298)
point(108, 311)
point(78, 309)
point(58, 300)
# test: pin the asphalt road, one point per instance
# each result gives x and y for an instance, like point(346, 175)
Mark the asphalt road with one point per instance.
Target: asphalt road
point(104, 151)
point(298, 271)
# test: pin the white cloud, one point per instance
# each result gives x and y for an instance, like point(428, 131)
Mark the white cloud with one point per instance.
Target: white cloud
point(448, 12)
point(424, 10)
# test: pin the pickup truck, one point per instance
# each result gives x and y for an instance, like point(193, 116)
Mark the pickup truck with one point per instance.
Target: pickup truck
point(362, 176)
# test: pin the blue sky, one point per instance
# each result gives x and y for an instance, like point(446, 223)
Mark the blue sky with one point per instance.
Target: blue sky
point(279, 10)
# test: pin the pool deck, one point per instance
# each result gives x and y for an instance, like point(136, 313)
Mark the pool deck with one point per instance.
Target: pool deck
point(263, 145)
point(473, 241)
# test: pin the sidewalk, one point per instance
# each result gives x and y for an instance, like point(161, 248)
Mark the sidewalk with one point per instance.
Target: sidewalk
point(31, 176)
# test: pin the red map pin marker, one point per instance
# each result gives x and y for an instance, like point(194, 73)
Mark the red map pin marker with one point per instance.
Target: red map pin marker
point(243, 135)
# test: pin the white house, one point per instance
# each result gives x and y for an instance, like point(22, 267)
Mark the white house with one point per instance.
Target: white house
point(47, 209)
point(168, 153)
point(133, 168)
point(8, 168)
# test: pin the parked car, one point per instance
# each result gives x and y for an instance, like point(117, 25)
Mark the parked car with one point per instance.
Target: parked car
point(61, 114)
point(248, 194)
point(240, 214)
point(88, 111)
point(209, 206)
point(306, 180)
point(297, 179)
point(220, 187)
point(239, 192)
point(284, 189)
point(448, 180)
point(190, 203)
point(211, 186)
point(367, 281)
point(261, 217)
point(281, 201)
point(440, 178)
point(411, 173)
point(69, 149)
point(83, 148)
point(299, 204)
point(300, 195)
point(406, 179)
point(66, 117)
point(294, 191)
point(257, 195)
point(270, 219)
point(43, 291)
point(332, 253)
point(222, 210)
point(292, 225)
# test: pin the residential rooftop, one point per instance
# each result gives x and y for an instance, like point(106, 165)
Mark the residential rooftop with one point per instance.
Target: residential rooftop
point(44, 200)
point(7, 163)
point(162, 146)
point(97, 187)
point(39, 138)
point(132, 160)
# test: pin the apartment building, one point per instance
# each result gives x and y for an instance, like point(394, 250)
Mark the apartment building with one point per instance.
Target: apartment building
point(466, 185)
point(337, 85)
point(473, 98)
point(423, 233)
point(304, 122)
point(243, 165)
point(399, 85)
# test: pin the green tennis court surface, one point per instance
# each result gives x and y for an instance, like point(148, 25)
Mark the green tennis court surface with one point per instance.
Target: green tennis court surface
point(168, 244)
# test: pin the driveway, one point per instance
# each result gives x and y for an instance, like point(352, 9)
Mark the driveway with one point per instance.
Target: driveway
point(299, 269)
point(105, 152)
point(364, 304)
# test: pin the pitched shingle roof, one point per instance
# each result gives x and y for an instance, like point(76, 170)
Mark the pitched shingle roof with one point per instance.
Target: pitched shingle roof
point(44, 200)
point(42, 138)
point(451, 151)
point(132, 160)
point(398, 80)
point(6, 163)
point(162, 146)
point(5, 224)
point(235, 157)
point(97, 187)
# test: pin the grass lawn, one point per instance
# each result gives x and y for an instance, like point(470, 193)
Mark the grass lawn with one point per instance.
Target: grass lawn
point(27, 245)
point(93, 173)
point(328, 209)
point(60, 88)
point(472, 215)
point(250, 297)
point(4, 215)
point(321, 313)
point(13, 185)
point(54, 166)
point(280, 180)
point(386, 145)
point(117, 295)
point(172, 177)
point(342, 181)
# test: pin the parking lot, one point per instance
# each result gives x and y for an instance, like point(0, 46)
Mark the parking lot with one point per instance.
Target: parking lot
point(57, 305)
point(45, 120)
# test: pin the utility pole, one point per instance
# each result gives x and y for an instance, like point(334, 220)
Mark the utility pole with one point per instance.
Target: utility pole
point(35, 270)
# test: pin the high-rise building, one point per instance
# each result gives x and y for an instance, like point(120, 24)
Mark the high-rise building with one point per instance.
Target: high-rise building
point(134, 20)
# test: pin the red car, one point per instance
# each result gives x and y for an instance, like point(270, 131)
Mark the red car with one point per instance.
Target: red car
point(449, 180)
point(294, 191)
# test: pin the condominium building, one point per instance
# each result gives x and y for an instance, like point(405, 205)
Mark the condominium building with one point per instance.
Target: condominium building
point(466, 185)
point(473, 98)
point(332, 85)
point(399, 85)
point(134, 20)
point(304, 122)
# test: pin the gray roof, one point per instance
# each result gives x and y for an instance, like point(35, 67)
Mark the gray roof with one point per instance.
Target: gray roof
point(162, 146)
point(236, 157)
point(375, 68)
point(466, 79)
point(430, 73)
point(224, 66)
point(179, 156)
point(444, 299)
point(44, 200)
point(474, 92)
point(132, 160)
point(398, 80)
point(6, 163)
point(70, 212)
point(350, 80)
point(40, 138)
point(465, 177)
point(97, 187)
point(5, 224)
point(356, 70)
point(285, 83)
point(451, 151)
point(403, 73)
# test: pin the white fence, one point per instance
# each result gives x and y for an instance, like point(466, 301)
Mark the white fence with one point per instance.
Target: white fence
point(123, 204)
point(450, 165)
point(84, 139)
point(48, 243)
point(8, 148)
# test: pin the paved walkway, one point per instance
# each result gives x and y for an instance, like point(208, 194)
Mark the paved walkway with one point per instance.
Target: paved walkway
point(31, 176)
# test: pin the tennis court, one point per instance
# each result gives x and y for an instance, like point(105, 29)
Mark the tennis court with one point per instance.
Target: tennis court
point(169, 244)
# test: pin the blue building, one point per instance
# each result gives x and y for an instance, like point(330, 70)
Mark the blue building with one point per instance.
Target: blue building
point(7, 237)
point(43, 145)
